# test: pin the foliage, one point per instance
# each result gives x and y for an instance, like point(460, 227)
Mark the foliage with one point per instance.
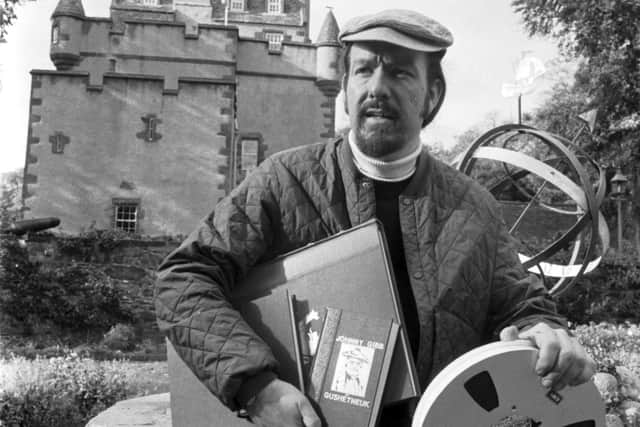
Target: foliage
point(610, 293)
point(10, 199)
point(91, 242)
point(70, 296)
point(611, 344)
point(120, 337)
point(68, 391)
point(605, 36)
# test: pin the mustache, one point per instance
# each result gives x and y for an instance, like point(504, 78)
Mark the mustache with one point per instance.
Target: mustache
point(377, 107)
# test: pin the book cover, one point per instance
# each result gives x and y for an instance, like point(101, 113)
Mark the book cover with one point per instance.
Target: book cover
point(351, 366)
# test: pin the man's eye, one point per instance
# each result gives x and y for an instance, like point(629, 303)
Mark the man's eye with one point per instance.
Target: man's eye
point(362, 70)
point(402, 73)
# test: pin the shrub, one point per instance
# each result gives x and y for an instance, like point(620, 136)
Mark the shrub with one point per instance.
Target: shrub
point(68, 391)
point(61, 391)
point(69, 296)
point(120, 337)
point(611, 293)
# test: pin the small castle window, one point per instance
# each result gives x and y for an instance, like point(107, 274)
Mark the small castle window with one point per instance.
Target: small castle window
point(125, 215)
point(150, 2)
point(237, 6)
point(58, 140)
point(249, 155)
point(112, 65)
point(275, 41)
point(55, 34)
point(150, 131)
point(274, 7)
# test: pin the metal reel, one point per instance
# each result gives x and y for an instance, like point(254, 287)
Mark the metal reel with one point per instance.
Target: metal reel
point(495, 386)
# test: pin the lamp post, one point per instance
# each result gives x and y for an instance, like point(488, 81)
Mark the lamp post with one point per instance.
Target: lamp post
point(619, 182)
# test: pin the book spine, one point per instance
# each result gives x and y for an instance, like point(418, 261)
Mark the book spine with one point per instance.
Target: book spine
point(291, 299)
point(323, 353)
point(394, 331)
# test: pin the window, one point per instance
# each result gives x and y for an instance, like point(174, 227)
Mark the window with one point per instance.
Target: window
point(58, 140)
point(57, 146)
point(55, 34)
point(275, 41)
point(237, 6)
point(150, 2)
point(150, 131)
point(125, 215)
point(274, 7)
point(249, 155)
point(112, 65)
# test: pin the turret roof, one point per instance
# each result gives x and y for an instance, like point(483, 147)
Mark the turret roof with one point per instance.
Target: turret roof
point(69, 8)
point(329, 30)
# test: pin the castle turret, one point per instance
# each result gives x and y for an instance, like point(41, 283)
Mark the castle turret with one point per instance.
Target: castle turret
point(66, 33)
point(328, 50)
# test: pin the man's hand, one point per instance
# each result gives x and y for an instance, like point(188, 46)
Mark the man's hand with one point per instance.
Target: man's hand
point(281, 404)
point(561, 359)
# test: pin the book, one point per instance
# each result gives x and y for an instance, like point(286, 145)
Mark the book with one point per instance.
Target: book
point(351, 366)
point(341, 271)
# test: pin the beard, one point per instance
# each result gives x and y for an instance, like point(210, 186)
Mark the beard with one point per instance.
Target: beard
point(378, 129)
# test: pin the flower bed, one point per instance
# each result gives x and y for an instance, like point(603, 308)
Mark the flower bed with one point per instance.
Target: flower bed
point(68, 391)
point(616, 350)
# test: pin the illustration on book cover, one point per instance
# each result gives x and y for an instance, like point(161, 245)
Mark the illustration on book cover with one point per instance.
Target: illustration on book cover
point(353, 367)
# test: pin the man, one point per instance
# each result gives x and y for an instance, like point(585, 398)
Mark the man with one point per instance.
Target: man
point(459, 278)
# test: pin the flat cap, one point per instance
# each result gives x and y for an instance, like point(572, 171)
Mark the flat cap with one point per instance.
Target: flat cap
point(401, 27)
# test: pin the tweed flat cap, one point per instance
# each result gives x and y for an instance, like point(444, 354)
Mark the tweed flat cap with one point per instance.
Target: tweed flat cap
point(401, 27)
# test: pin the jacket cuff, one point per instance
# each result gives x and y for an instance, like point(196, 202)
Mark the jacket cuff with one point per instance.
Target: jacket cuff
point(252, 386)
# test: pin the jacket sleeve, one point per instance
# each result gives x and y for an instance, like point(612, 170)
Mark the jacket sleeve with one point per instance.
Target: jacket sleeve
point(518, 297)
point(194, 281)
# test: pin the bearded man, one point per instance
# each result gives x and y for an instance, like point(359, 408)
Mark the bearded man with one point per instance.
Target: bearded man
point(458, 274)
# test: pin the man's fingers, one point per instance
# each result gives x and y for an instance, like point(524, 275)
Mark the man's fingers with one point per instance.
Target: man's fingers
point(548, 344)
point(510, 333)
point(309, 416)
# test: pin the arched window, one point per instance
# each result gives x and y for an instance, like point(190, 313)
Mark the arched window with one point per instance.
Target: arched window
point(55, 34)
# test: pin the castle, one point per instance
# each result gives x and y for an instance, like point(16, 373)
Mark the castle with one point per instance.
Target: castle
point(155, 113)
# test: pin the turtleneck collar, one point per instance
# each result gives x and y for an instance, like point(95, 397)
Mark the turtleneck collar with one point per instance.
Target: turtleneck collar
point(380, 170)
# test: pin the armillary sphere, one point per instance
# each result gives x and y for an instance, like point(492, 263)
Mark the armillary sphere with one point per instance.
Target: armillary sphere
point(546, 172)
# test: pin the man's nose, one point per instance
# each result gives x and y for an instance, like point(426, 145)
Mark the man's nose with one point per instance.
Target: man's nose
point(378, 84)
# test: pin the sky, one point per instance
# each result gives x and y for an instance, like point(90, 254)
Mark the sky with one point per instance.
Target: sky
point(489, 40)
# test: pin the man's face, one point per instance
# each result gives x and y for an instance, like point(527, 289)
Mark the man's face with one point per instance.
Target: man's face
point(387, 96)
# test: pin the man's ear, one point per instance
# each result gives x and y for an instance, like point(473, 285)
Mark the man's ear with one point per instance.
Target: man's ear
point(344, 92)
point(434, 98)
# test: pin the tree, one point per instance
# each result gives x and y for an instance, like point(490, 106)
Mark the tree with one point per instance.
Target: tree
point(7, 15)
point(11, 198)
point(605, 36)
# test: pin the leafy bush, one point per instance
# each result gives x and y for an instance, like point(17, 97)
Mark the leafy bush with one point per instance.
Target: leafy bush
point(56, 392)
point(69, 296)
point(120, 337)
point(611, 293)
point(68, 391)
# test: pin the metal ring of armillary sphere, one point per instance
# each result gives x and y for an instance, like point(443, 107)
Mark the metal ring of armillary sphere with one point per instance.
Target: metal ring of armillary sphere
point(496, 386)
point(566, 170)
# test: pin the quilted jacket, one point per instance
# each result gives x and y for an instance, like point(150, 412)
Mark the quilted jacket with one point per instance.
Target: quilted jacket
point(462, 263)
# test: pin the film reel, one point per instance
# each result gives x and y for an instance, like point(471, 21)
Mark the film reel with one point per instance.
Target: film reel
point(495, 386)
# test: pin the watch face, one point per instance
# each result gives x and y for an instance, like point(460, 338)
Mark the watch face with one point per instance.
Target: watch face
point(495, 386)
